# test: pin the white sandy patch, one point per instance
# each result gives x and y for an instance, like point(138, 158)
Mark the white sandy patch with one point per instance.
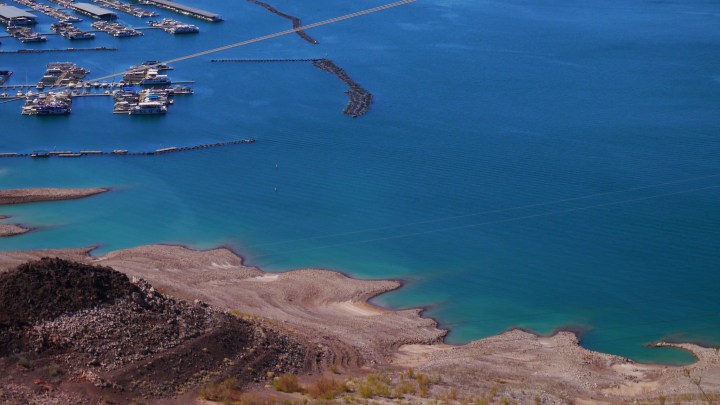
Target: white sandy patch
point(358, 308)
point(222, 266)
point(266, 278)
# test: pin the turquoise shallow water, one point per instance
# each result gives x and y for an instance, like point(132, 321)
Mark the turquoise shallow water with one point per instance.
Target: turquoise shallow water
point(535, 164)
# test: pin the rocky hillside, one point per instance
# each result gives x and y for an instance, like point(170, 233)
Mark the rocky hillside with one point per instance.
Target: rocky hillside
point(74, 333)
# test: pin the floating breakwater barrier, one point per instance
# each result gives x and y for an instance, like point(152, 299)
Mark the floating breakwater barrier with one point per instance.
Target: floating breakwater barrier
point(99, 48)
point(262, 60)
point(122, 152)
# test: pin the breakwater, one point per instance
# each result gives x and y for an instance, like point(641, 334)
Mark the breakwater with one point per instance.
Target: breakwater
point(100, 48)
point(296, 22)
point(122, 152)
point(359, 99)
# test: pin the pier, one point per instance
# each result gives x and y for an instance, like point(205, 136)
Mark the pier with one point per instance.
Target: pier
point(41, 154)
point(296, 22)
point(183, 9)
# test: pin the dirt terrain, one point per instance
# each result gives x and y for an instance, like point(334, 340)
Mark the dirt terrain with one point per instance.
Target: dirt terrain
point(398, 356)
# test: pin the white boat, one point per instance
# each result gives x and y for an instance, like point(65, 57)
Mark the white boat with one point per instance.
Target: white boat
point(148, 108)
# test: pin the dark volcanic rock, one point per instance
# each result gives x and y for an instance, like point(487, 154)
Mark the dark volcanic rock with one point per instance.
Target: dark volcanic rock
point(70, 323)
point(48, 288)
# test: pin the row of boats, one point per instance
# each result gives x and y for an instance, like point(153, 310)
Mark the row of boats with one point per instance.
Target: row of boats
point(174, 26)
point(69, 31)
point(115, 29)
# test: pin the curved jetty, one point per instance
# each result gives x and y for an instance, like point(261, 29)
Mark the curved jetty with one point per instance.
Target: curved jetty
point(359, 99)
point(295, 21)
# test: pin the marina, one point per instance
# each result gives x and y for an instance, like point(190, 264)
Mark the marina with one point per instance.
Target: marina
point(183, 9)
point(63, 81)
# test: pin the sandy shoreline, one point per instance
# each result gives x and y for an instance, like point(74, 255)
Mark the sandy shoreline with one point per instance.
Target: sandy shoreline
point(29, 195)
point(332, 310)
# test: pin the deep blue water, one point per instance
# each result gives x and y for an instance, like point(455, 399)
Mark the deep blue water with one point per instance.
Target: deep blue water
point(541, 164)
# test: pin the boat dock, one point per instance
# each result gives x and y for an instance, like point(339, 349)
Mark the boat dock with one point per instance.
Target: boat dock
point(62, 74)
point(38, 154)
point(183, 9)
point(126, 8)
point(49, 11)
point(25, 34)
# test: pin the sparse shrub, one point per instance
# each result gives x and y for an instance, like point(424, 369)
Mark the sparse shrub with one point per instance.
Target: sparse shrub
point(54, 370)
point(404, 388)
point(24, 363)
point(375, 385)
point(226, 391)
point(326, 388)
point(287, 383)
point(423, 382)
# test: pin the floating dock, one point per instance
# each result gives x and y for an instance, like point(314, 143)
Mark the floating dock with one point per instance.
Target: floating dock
point(183, 9)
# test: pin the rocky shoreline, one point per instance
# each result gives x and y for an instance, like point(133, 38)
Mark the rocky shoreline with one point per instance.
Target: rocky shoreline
point(331, 312)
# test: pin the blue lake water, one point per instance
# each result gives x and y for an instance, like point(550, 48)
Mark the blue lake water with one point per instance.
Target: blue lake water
point(539, 164)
